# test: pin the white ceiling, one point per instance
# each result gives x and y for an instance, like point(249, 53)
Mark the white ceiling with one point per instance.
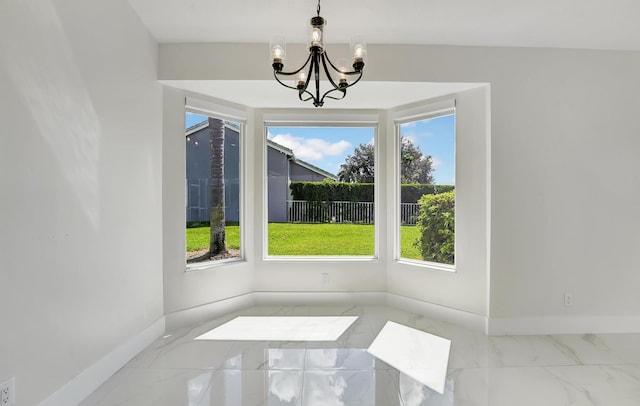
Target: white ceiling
point(587, 24)
point(584, 24)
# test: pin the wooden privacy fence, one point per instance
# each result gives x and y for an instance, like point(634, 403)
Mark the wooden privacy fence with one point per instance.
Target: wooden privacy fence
point(302, 211)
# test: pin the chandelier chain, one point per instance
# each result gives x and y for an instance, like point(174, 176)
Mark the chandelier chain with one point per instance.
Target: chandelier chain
point(318, 8)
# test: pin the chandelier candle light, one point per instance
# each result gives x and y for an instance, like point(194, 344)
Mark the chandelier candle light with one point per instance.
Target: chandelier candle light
point(317, 60)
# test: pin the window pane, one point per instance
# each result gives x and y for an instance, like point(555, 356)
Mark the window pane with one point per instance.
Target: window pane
point(427, 190)
point(321, 191)
point(212, 188)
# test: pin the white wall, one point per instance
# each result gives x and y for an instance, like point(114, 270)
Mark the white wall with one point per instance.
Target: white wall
point(80, 187)
point(564, 167)
point(188, 289)
point(467, 288)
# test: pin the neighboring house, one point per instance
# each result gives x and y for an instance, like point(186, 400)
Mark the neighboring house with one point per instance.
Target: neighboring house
point(282, 167)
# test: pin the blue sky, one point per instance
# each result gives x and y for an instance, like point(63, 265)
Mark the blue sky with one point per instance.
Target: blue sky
point(328, 147)
point(435, 137)
point(324, 147)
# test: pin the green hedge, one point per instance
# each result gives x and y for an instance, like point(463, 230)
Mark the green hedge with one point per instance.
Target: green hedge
point(413, 192)
point(436, 225)
point(329, 191)
point(332, 191)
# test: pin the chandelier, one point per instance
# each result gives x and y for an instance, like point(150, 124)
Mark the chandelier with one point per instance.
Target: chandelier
point(318, 61)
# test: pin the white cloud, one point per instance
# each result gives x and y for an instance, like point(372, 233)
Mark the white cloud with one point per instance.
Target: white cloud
point(411, 391)
point(436, 162)
point(285, 385)
point(326, 390)
point(324, 358)
point(411, 137)
point(311, 148)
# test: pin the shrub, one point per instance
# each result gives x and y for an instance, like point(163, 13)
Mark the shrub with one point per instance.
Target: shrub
point(436, 225)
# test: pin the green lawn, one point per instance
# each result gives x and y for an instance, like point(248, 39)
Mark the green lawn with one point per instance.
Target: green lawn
point(312, 239)
point(198, 237)
point(321, 239)
point(408, 234)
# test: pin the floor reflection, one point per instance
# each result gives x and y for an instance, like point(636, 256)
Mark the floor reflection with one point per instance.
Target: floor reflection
point(315, 376)
point(413, 393)
point(199, 390)
point(178, 370)
point(285, 387)
point(422, 356)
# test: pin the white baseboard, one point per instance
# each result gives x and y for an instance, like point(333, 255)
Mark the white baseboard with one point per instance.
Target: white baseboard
point(468, 320)
point(318, 298)
point(93, 377)
point(564, 325)
point(199, 314)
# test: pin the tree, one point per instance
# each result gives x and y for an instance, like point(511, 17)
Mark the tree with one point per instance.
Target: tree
point(414, 166)
point(359, 167)
point(217, 244)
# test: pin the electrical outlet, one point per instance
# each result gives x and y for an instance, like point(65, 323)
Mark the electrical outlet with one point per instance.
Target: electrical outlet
point(568, 299)
point(325, 278)
point(7, 392)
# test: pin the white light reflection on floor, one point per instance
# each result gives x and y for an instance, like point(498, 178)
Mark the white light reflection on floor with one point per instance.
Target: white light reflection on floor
point(281, 329)
point(422, 356)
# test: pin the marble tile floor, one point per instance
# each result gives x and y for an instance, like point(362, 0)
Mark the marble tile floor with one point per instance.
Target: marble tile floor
point(176, 370)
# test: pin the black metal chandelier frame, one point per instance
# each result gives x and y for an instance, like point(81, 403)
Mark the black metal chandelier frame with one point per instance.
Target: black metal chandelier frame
point(318, 58)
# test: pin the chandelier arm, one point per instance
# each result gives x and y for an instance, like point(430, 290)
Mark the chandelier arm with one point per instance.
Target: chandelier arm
point(328, 94)
point(304, 90)
point(357, 79)
point(275, 74)
point(353, 72)
point(308, 98)
point(304, 65)
point(343, 89)
point(326, 71)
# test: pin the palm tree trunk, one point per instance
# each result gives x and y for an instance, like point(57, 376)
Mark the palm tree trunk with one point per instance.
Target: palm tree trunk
point(217, 243)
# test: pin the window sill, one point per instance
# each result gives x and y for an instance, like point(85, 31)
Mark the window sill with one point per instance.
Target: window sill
point(293, 258)
point(203, 266)
point(428, 265)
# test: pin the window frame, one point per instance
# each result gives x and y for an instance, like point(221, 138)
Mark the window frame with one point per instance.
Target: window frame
point(430, 111)
point(330, 120)
point(226, 113)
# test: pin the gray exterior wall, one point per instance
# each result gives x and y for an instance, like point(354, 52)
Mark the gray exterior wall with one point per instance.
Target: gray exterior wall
point(278, 186)
point(300, 173)
point(199, 173)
